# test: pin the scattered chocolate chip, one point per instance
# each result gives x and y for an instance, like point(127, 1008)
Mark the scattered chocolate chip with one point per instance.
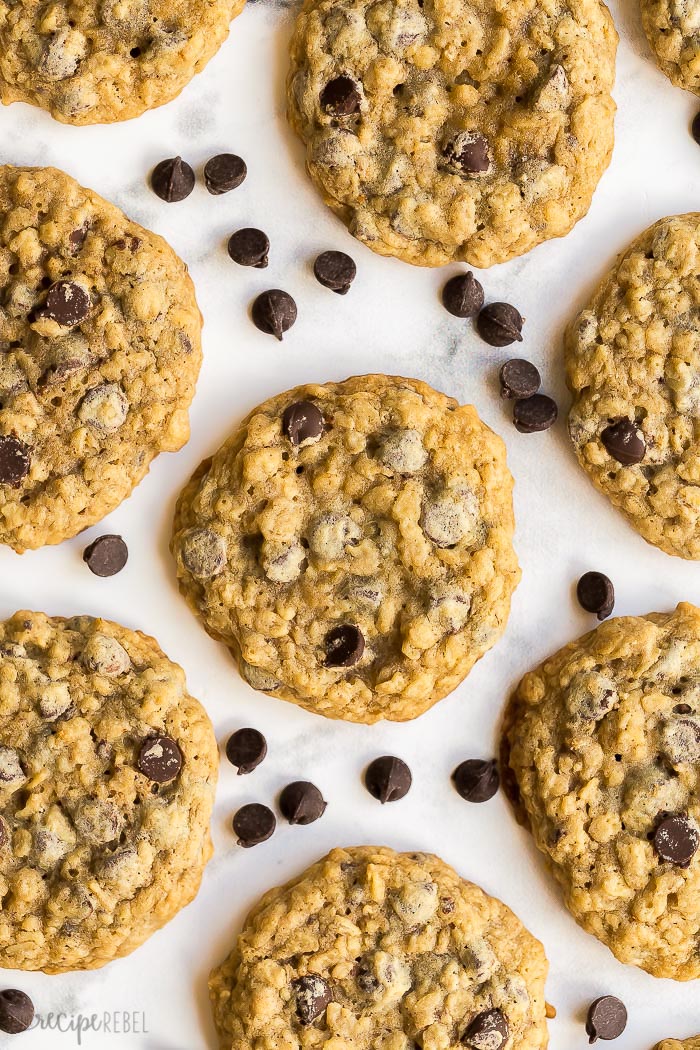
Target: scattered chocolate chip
point(274, 312)
point(313, 995)
point(463, 296)
point(335, 270)
point(469, 153)
point(500, 324)
point(625, 442)
point(388, 779)
point(341, 97)
point(695, 128)
point(246, 749)
point(66, 303)
point(476, 780)
point(249, 247)
point(223, 173)
point(596, 594)
point(15, 460)
point(488, 1031)
point(344, 644)
point(303, 423)
point(676, 839)
point(302, 803)
point(16, 1011)
point(106, 556)
point(253, 824)
point(519, 379)
point(607, 1018)
point(534, 414)
point(172, 180)
point(160, 759)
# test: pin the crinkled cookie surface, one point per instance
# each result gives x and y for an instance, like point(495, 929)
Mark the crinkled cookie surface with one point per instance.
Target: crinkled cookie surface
point(601, 752)
point(454, 129)
point(672, 28)
point(358, 566)
point(99, 61)
point(99, 355)
point(633, 356)
point(102, 840)
point(375, 950)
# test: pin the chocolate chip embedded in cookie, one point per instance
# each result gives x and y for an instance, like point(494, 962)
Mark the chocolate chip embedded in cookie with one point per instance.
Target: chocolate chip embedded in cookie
point(601, 758)
point(370, 948)
point(352, 545)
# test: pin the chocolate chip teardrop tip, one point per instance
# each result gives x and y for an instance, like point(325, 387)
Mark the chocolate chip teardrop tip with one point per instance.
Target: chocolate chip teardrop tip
point(254, 824)
point(388, 779)
point(302, 803)
point(246, 749)
point(16, 1011)
point(274, 312)
point(476, 780)
point(607, 1018)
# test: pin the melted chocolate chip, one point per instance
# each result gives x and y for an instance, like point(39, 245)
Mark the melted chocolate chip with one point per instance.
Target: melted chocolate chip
point(159, 759)
point(625, 442)
point(15, 460)
point(488, 1031)
point(676, 840)
point(303, 423)
point(341, 97)
point(344, 645)
point(313, 995)
point(66, 303)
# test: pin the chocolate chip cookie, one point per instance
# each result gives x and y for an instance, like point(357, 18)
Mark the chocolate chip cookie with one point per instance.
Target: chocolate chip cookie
point(107, 776)
point(100, 61)
point(633, 357)
point(381, 951)
point(440, 131)
point(352, 545)
point(99, 355)
point(672, 28)
point(680, 1044)
point(601, 757)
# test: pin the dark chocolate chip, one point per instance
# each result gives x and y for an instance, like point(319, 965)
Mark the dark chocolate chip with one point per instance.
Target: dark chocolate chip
point(106, 556)
point(341, 97)
point(246, 749)
point(335, 270)
point(160, 759)
point(695, 128)
point(519, 379)
point(388, 779)
point(303, 421)
point(607, 1018)
point(223, 173)
point(488, 1031)
point(313, 995)
point(172, 180)
point(596, 594)
point(249, 247)
point(302, 803)
point(624, 441)
point(16, 1011)
point(470, 153)
point(463, 296)
point(534, 414)
point(344, 645)
point(476, 780)
point(274, 312)
point(676, 839)
point(66, 303)
point(254, 824)
point(15, 460)
point(77, 238)
point(500, 324)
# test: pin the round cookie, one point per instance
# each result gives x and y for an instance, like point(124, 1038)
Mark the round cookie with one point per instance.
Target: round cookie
point(381, 951)
point(99, 61)
point(601, 757)
point(107, 775)
point(445, 130)
point(633, 355)
point(352, 544)
point(672, 29)
point(100, 352)
point(680, 1044)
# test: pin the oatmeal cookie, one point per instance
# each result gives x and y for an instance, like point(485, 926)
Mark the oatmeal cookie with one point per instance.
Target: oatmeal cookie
point(680, 1044)
point(672, 28)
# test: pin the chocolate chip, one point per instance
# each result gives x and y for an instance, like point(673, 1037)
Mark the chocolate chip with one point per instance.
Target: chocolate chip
point(249, 247)
point(302, 803)
point(66, 303)
point(15, 460)
point(313, 995)
point(160, 759)
point(274, 312)
point(203, 553)
point(303, 423)
point(596, 594)
point(172, 180)
point(534, 414)
point(500, 324)
point(476, 780)
point(246, 749)
point(388, 779)
point(463, 296)
point(77, 238)
point(695, 128)
point(607, 1018)
point(223, 173)
point(519, 379)
point(625, 442)
point(341, 97)
point(676, 839)
point(335, 270)
point(253, 824)
point(106, 556)
point(345, 645)
point(488, 1031)
point(16, 1011)
point(468, 153)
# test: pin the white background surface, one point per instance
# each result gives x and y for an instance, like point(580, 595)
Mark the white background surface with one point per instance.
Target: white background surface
point(391, 321)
